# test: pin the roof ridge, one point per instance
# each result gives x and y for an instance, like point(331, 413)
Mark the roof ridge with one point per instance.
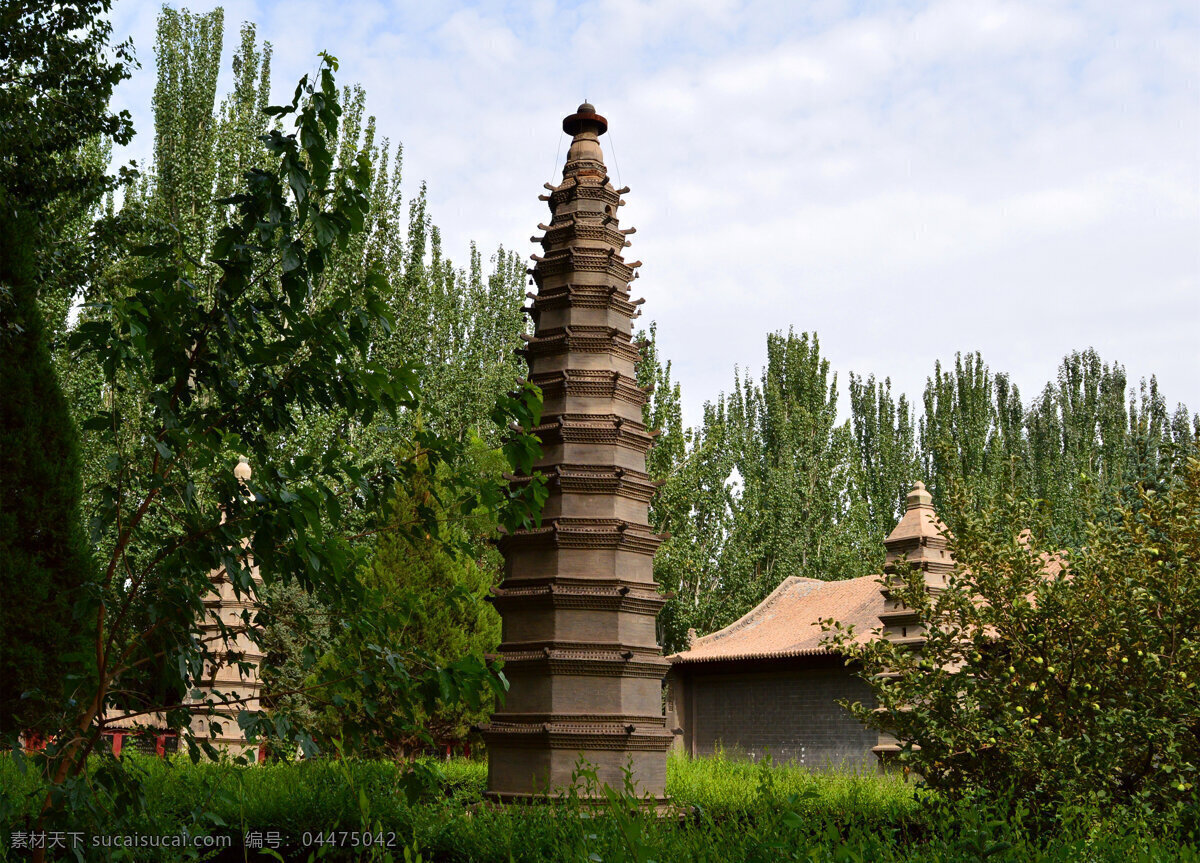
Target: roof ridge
point(786, 623)
point(746, 619)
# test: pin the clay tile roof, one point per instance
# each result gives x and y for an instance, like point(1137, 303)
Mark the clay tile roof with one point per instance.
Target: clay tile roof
point(785, 623)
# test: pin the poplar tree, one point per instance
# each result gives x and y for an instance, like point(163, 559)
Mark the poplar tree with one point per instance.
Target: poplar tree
point(692, 505)
point(1078, 447)
point(887, 462)
point(793, 460)
point(956, 426)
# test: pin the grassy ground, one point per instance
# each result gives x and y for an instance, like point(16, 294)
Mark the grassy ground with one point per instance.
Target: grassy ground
point(729, 811)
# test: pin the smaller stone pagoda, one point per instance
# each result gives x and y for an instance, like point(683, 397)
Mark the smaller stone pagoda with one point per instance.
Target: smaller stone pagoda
point(223, 605)
point(920, 539)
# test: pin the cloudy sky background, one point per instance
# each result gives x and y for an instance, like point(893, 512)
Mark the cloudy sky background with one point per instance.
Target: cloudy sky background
point(906, 180)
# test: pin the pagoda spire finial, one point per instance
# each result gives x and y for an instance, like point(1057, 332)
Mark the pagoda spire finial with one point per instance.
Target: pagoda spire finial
point(585, 156)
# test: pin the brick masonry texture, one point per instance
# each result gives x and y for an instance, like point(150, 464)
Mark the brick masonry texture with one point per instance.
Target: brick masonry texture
point(792, 715)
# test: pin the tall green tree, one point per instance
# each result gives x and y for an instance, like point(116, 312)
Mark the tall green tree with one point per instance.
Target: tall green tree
point(971, 432)
point(1078, 447)
point(695, 505)
point(691, 506)
point(1149, 433)
point(793, 462)
point(59, 72)
point(45, 565)
point(188, 55)
point(887, 461)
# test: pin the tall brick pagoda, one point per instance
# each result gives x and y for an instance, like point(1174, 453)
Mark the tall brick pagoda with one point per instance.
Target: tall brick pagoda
point(578, 601)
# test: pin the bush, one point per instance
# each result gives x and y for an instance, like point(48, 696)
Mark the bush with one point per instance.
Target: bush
point(1062, 688)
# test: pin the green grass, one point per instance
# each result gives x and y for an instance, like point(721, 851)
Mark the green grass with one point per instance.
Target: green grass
point(727, 787)
point(730, 810)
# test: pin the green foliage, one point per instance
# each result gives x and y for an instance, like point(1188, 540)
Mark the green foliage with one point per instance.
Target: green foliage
point(58, 72)
point(695, 506)
point(227, 371)
point(725, 787)
point(1078, 443)
point(692, 500)
point(437, 331)
point(296, 631)
point(1074, 449)
point(455, 328)
point(759, 492)
point(188, 53)
point(970, 433)
point(793, 457)
point(1059, 687)
point(432, 587)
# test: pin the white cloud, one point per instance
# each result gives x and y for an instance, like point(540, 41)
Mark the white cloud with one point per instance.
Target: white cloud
point(908, 181)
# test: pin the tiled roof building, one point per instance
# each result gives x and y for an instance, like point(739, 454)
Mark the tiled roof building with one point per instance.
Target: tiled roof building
point(785, 624)
point(767, 685)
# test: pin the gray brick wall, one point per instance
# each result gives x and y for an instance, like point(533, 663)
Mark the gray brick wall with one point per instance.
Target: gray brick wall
point(792, 714)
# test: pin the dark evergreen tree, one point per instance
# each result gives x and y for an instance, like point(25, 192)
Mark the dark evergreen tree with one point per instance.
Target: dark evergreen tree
point(429, 589)
point(45, 569)
point(58, 76)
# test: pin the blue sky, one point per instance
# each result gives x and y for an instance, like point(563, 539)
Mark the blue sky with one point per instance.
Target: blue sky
point(907, 180)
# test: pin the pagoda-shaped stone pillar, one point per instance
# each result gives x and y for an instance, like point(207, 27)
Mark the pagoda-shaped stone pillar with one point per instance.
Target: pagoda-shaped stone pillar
point(919, 539)
point(578, 601)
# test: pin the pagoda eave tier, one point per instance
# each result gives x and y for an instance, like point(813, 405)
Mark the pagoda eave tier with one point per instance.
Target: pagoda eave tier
point(594, 430)
point(584, 340)
point(571, 295)
point(541, 596)
point(608, 265)
point(579, 737)
point(572, 190)
point(584, 533)
point(623, 720)
point(590, 384)
point(611, 482)
point(576, 230)
point(586, 663)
